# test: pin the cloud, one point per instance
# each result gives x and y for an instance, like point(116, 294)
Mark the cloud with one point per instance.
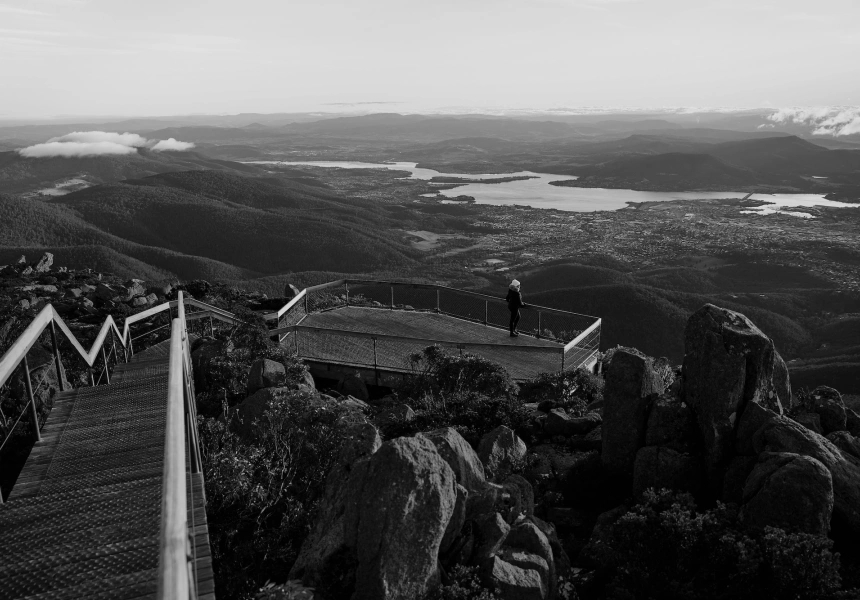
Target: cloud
point(827, 120)
point(100, 143)
point(131, 140)
point(75, 149)
point(171, 144)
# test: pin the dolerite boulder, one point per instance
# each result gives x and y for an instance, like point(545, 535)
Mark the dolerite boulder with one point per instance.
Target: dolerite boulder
point(491, 529)
point(501, 451)
point(827, 404)
point(728, 363)
point(559, 422)
point(631, 387)
point(460, 456)
point(407, 497)
point(788, 491)
point(455, 523)
point(45, 263)
point(518, 575)
point(811, 421)
point(782, 383)
point(522, 497)
point(852, 422)
point(846, 442)
point(658, 467)
point(781, 434)
point(671, 423)
point(527, 537)
point(326, 541)
point(265, 373)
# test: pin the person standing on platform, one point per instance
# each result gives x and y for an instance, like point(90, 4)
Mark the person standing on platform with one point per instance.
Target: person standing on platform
point(515, 303)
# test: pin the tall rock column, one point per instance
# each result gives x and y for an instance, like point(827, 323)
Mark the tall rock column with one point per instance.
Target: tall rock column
point(728, 363)
point(407, 497)
point(631, 387)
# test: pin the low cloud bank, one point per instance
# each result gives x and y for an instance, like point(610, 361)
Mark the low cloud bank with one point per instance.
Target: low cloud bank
point(100, 143)
point(172, 144)
point(827, 120)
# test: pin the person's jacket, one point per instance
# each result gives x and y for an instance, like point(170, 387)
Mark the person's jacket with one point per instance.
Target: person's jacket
point(514, 300)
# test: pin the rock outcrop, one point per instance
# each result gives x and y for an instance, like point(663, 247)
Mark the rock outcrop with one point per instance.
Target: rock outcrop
point(459, 455)
point(327, 541)
point(631, 388)
point(728, 364)
point(781, 434)
point(827, 404)
point(398, 520)
point(788, 491)
point(501, 451)
point(265, 373)
point(661, 467)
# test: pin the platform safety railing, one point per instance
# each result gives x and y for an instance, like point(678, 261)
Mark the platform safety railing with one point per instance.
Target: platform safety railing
point(578, 334)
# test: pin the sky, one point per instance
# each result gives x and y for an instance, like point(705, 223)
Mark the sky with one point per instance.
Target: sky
point(176, 57)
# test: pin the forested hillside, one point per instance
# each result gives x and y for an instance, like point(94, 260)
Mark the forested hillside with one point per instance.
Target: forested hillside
point(214, 223)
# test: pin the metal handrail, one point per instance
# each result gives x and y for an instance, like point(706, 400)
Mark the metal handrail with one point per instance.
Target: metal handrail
point(385, 336)
point(176, 576)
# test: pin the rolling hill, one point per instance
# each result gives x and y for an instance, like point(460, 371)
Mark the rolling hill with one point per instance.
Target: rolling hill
point(205, 223)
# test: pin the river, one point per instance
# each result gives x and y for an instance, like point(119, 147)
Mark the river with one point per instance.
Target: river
point(538, 193)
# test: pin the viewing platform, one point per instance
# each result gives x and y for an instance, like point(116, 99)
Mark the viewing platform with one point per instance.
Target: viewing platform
point(372, 329)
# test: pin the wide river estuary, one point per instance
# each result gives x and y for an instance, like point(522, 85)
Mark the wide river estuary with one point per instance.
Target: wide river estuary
point(538, 193)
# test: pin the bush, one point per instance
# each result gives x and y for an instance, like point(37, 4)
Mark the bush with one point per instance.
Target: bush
point(226, 374)
point(573, 390)
point(438, 371)
point(463, 584)
point(466, 392)
point(262, 497)
point(665, 548)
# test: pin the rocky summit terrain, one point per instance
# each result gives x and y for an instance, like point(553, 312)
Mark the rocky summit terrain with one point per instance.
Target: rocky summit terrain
point(713, 478)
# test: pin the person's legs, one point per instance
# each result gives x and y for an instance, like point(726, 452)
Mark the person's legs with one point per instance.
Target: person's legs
point(515, 319)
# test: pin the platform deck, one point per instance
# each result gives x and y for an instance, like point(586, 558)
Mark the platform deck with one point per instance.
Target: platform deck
point(524, 356)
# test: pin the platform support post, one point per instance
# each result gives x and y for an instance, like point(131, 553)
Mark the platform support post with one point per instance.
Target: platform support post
point(31, 401)
point(56, 349)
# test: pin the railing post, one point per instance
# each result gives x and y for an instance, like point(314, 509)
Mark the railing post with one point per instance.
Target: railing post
point(107, 371)
point(437, 301)
point(562, 360)
point(392, 297)
point(486, 310)
point(346, 285)
point(34, 416)
point(56, 349)
point(113, 345)
point(306, 303)
point(540, 330)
